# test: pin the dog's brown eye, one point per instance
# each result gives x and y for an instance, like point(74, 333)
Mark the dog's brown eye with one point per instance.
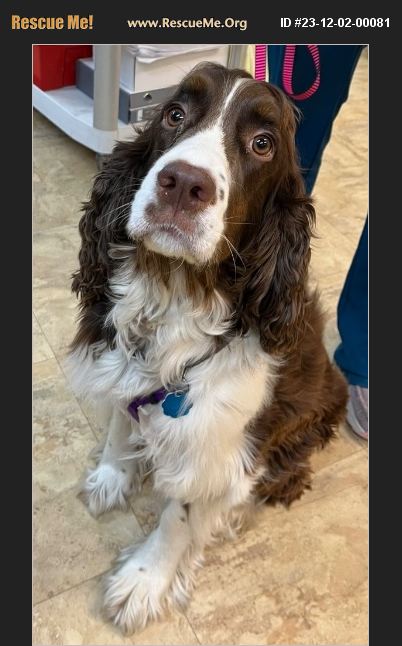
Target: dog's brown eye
point(174, 116)
point(262, 145)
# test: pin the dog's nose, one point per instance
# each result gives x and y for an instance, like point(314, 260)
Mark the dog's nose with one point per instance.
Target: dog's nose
point(186, 187)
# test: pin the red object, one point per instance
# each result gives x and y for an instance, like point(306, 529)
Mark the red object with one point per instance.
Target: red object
point(54, 65)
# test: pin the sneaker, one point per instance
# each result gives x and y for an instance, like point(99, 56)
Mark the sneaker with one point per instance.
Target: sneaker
point(357, 411)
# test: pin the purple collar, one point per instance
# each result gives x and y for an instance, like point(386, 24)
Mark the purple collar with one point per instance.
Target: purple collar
point(159, 395)
point(153, 398)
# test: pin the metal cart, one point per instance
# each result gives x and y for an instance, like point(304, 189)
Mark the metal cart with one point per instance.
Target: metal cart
point(94, 122)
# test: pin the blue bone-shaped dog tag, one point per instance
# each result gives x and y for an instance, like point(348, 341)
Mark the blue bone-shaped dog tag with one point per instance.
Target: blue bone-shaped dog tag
point(174, 404)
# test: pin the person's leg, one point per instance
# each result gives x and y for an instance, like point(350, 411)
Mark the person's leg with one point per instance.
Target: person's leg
point(352, 353)
point(337, 64)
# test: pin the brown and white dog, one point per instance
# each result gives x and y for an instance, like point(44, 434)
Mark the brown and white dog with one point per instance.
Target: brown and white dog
point(193, 278)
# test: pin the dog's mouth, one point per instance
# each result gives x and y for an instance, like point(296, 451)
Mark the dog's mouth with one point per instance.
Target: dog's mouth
point(171, 231)
point(170, 240)
point(172, 219)
point(174, 232)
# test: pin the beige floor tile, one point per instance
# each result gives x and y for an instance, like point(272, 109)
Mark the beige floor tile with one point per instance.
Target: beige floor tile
point(62, 437)
point(86, 406)
point(42, 127)
point(331, 337)
point(324, 260)
point(346, 159)
point(55, 206)
point(63, 173)
point(90, 413)
point(61, 159)
point(56, 310)
point(338, 474)
point(55, 259)
point(74, 617)
point(299, 577)
point(341, 190)
point(70, 546)
point(345, 444)
point(55, 256)
point(330, 293)
point(329, 287)
point(147, 506)
point(41, 348)
point(345, 211)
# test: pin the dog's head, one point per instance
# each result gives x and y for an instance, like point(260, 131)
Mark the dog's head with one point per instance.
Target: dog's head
point(224, 142)
point(212, 180)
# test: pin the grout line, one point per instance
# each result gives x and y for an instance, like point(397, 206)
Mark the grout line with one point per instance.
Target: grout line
point(46, 339)
point(192, 628)
point(328, 495)
point(98, 576)
point(65, 377)
point(144, 533)
point(281, 509)
point(72, 587)
point(345, 457)
point(73, 395)
point(35, 363)
point(98, 439)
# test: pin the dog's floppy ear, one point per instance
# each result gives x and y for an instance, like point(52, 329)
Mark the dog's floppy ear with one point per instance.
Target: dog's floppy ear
point(106, 212)
point(274, 295)
point(280, 286)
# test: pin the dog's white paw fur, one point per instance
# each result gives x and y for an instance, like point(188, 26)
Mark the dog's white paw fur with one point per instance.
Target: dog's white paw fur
point(146, 583)
point(135, 593)
point(106, 487)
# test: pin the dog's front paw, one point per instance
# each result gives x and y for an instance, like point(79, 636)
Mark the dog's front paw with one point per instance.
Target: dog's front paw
point(135, 593)
point(106, 487)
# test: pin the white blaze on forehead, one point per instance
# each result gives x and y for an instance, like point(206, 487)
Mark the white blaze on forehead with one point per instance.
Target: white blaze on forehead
point(205, 146)
point(203, 149)
point(228, 99)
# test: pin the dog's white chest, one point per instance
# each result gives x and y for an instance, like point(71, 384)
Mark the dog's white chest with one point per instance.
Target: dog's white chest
point(202, 452)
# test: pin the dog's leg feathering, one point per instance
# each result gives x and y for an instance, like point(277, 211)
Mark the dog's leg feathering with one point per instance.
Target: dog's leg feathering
point(110, 482)
point(159, 574)
point(136, 591)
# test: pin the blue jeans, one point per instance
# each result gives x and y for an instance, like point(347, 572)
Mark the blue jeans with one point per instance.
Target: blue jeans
point(337, 63)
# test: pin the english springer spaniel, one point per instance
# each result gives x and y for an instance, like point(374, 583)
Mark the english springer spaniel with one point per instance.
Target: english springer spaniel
point(198, 339)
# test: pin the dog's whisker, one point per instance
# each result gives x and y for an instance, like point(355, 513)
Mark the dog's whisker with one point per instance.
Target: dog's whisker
point(235, 250)
point(177, 268)
point(109, 223)
point(104, 215)
point(231, 253)
point(233, 222)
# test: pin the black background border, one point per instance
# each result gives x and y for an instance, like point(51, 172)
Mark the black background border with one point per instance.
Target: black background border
point(385, 254)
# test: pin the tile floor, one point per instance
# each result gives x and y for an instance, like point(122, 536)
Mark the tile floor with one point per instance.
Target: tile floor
point(299, 576)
